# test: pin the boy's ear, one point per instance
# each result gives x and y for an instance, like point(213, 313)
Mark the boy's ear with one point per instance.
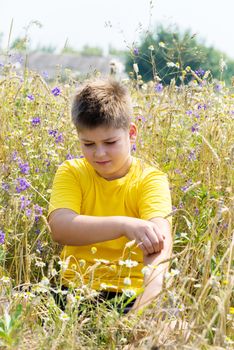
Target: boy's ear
point(132, 132)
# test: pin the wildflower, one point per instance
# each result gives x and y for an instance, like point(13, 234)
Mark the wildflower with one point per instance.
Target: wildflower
point(40, 264)
point(82, 262)
point(171, 64)
point(2, 237)
point(38, 210)
point(28, 212)
point(131, 263)
point(69, 156)
point(151, 48)
point(44, 282)
point(127, 281)
point(39, 246)
point(218, 87)
point(195, 128)
point(134, 147)
point(5, 186)
point(135, 67)
point(141, 118)
point(146, 271)
point(45, 75)
point(159, 87)
point(24, 168)
point(130, 244)
point(231, 310)
point(56, 91)
point(64, 317)
point(59, 138)
point(129, 292)
point(93, 250)
point(30, 97)
point(136, 51)
point(200, 72)
point(192, 155)
point(35, 121)
point(162, 44)
point(5, 280)
point(22, 185)
point(53, 132)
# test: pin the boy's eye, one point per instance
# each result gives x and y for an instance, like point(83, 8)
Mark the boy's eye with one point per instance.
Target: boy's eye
point(88, 144)
point(110, 142)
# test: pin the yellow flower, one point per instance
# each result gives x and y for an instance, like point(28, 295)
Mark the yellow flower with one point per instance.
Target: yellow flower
point(82, 262)
point(231, 310)
point(93, 250)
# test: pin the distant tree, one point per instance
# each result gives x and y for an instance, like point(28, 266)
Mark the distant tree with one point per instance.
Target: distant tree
point(46, 48)
point(91, 51)
point(116, 52)
point(70, 50)
point(165, 54)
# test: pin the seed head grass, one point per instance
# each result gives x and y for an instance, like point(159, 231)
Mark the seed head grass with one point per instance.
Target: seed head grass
point(188, 132)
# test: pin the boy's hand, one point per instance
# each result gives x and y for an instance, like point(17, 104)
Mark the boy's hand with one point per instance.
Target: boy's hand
point(147, 235)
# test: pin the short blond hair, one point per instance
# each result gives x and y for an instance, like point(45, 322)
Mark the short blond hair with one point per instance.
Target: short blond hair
point(102, 103)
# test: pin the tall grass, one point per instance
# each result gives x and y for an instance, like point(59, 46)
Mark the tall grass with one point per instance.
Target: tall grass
point(188, 132)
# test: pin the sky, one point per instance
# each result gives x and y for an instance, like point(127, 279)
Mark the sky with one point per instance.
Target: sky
point(115, 22)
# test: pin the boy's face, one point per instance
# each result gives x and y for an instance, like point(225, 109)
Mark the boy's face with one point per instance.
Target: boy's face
point(108, 150)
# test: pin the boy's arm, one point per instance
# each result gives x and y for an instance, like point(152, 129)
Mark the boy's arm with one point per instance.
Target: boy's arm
point(153, 281)
point(70, 228)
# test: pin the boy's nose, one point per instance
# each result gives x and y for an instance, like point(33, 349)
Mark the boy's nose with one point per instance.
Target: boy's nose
point(100, 152)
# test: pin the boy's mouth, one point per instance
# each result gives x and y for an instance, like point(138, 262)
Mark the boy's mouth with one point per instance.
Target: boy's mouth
point(103, 162)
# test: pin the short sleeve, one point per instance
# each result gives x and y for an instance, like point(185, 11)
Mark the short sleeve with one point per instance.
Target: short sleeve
point(66, 190)
point(154, 196)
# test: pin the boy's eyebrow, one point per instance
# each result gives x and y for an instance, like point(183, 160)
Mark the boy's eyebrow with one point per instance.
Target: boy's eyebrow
point(108, 139)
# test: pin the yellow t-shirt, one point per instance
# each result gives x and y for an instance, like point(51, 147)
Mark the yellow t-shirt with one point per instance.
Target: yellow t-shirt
point(142, 193)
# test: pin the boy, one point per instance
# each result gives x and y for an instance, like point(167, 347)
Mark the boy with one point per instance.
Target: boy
point(102, 201)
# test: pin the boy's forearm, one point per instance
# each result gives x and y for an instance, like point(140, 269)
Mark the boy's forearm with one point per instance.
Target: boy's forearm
point(69, 228)
point(155, 271)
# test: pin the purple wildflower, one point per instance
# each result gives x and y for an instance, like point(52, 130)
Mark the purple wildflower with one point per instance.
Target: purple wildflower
point(189, 112)
point(59, 138)
point(141, 118)
point(218, 87)
point(188, 184)
point(31, 97)
point(14, 155)
point(53, 132)
point(37, 231)
point(134, 147)
point(177, 171)
point(39, 246)
point(2, 237)
point(196, 211)
point(28, 212)
point(192, 155)
point(136, 51)
point(200, 72)
point(45, 75)
point(5, 186)
point(159, 87)
point(1, 65)
point(36, 121)
point(195, 127)
point(22, 184)
point(24, 168)
point(24, 202)
point(38, 210)
point(69, 156)
point(56, 91)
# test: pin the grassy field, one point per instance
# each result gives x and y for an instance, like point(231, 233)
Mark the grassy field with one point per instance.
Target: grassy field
point(188, 131)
